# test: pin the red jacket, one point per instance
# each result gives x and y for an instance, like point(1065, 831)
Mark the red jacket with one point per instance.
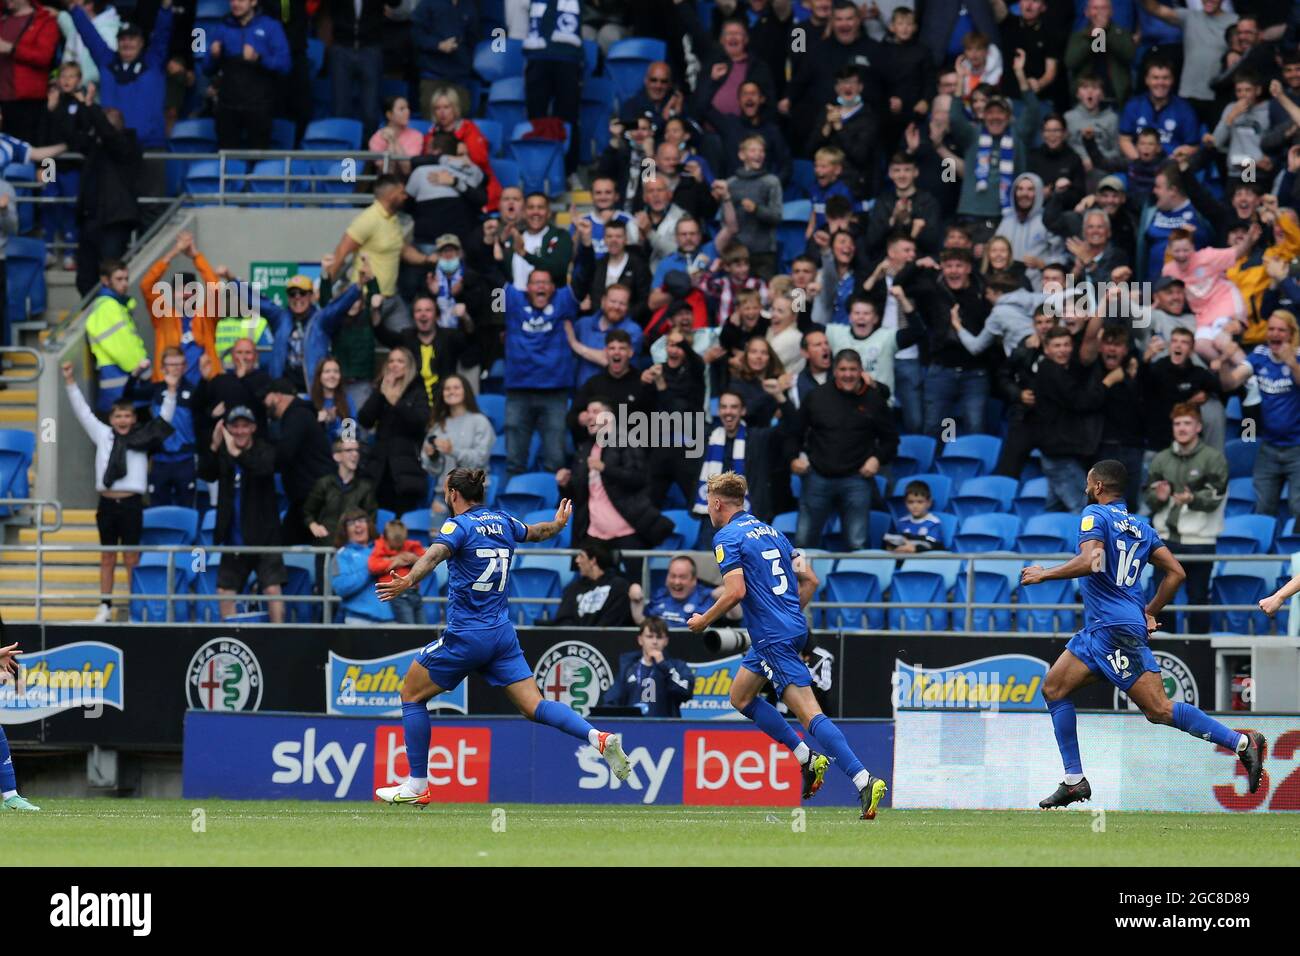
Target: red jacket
point(476, 145)
point(33, 55)
point(382, 554)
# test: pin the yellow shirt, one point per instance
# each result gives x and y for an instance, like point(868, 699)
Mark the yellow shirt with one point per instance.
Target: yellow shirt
point(380, 237)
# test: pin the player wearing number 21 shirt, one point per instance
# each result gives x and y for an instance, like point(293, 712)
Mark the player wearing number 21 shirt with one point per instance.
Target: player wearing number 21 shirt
point(1114, 549)
point(478, 544)
point(773, 584)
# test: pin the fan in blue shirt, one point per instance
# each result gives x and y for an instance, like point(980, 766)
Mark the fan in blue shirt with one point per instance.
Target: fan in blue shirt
point(763, 573)
point(681, 596)
point(478, 544)
point(1114, 548)
point(648, 679)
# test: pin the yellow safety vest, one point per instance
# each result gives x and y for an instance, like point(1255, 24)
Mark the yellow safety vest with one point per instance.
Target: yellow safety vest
point(233, 328)
point(110, 328)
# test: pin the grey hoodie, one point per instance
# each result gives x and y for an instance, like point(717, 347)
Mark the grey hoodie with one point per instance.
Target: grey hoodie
point(1028, 235)
point(756, 230)
point(1011, 319)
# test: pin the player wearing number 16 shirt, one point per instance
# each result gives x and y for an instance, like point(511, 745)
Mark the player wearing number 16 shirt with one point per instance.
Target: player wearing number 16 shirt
point(1114, 549)
point(478, 544)
point(772, 583)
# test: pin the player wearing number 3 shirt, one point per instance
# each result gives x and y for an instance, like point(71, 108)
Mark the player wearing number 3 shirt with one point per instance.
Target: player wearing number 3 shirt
point(1114, 549)
point(478, 544)
point(768, 578)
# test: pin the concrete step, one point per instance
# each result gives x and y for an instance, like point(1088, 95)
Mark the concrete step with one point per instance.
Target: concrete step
point(18, 396)
point(65, 535)
point(78, 516)
point(18, 416)
point(19, 612)
point(14, 558)
point(26, 574)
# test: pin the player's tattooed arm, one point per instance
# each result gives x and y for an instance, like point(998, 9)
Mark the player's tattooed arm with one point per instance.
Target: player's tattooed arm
point(549, 529)
point(435, 555)
point(733, 592)
point(1090, 558)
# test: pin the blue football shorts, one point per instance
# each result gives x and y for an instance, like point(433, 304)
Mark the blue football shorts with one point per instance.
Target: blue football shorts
point(492, 652)
point(779, 662)
point(1116, 654)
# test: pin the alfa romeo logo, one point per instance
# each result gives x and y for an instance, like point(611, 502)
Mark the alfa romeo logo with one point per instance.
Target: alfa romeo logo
point(224, 675)
point(574, 674)
point(1180, 685)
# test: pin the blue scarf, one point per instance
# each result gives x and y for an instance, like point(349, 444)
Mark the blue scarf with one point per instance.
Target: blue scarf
point(446, 301)
point(1006, 165)
point(563, 18)
point(713, 464)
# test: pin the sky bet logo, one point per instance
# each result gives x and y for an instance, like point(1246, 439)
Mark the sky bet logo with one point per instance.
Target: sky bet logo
point(75, 909)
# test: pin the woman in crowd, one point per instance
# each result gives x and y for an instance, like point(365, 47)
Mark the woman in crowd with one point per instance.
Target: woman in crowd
point(352, 580)
point(755, 377)
point(396, 137)
point(445, 108)
point(333, 405)
point(460, 436)
point(398, 411)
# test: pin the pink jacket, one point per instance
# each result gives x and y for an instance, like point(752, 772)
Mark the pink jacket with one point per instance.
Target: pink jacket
point(1210, 294)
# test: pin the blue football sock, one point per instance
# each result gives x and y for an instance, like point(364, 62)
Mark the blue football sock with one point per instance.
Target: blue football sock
point(834, 745)
point(771, 722)
point(1066, 724)
point(1194, 721)
point(417, 730)
point(7, 779)
point(563, 718)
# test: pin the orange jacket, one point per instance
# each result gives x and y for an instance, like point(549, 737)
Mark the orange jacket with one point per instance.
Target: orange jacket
point(382, 554)
point(166, 326)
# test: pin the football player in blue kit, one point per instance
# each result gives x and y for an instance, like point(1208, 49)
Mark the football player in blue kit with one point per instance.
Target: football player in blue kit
point(763, 573)
point(8, 782)
point(478, 544)
point(1114, 547)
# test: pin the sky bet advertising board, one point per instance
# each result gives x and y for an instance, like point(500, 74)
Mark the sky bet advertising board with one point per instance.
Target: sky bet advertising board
point(508, 759)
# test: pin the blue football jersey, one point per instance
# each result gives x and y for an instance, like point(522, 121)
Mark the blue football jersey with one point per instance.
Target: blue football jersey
point(676, 613)
point(771, 602)
point(1112, 595)
point(482, 543)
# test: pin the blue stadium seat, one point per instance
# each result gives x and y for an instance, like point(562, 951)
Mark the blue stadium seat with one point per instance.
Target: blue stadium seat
point(507, 173)
point(940, 490)
point(561, 564)
point(1241, 457)
point(315, 54)
point(422, 126)
point(150, 577)
point(382, 517)
point(561, 540)
point(802, 180)
point(1246, 534)
point(968, 456)
point(687, 525)
point(494, 135)
point(787, 522)
point(1241, 497)
point(1242, 582)
point(1288, 542)
point(593, 118)
point(194, 135)
point(626, 62)
point(995, 581)
point(211, 9)
point(419, 525)
point(1046, 621)
point(169, 524)
point(541, 161)
point(921, 581)
point(879, 523)
point(494, 407)
point(507, 103)
point(947, 528)
point(915, 456)
point(434, 585)
point(25, 289)
point(492, 64)
point(590, 59)
point(790, 232)
point(530, 584)
point(853, 586)
point(335, 134)
point(988, 493)
point(207, 527)
point(1032, 499)
point(518, 503)
point(539, 484)
point(301, 582)
point(1051, 532)
point(283, 134)
point(333, 181)
point(499, 445)
point(205, 176)
point(987, 532)
point(17, 449)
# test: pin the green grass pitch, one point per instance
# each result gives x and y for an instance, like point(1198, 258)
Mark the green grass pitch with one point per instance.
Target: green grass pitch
point(102, 832)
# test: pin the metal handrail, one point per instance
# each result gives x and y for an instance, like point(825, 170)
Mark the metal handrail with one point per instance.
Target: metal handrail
point(326, 599)
point(40, 505)
point(28, 376)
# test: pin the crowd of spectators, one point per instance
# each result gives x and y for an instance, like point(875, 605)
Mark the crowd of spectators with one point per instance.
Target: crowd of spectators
point(1073, 229)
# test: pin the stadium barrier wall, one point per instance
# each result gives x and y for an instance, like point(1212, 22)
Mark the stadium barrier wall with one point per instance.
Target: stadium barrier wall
point(507, 759)
point(1009, 761)
point(130, 686)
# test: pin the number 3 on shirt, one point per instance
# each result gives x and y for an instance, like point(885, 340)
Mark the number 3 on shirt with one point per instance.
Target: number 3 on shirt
point(498, 560)
point(778, 572)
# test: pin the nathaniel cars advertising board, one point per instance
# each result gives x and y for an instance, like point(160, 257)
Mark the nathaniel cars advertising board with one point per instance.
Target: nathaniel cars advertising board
point(370, 687)
point(86, 676)
point(261, 756)
point(1009, 761)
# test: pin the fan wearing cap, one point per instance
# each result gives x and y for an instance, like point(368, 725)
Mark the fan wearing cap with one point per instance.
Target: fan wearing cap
point(1167, 311)
point(242, 465)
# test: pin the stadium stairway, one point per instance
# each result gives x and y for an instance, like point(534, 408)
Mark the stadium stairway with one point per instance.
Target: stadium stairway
point(71, 578)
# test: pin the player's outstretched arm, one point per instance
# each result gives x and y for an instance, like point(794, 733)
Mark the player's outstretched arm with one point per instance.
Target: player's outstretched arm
point(733, 592)
point(549, 529)
point(1088, 560)
point(1163, 559)
point(435, 555)
point(1273, 603)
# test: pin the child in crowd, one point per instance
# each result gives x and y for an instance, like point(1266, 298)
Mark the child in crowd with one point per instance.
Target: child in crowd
point(1092, 122)
point(1214, 300)
point(918, 530)
point(828, 170)
point(753, 205)
point(1242, 126)
point(980, 63)
point(727, 277)
point(1141, 172)
point(393, 555)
